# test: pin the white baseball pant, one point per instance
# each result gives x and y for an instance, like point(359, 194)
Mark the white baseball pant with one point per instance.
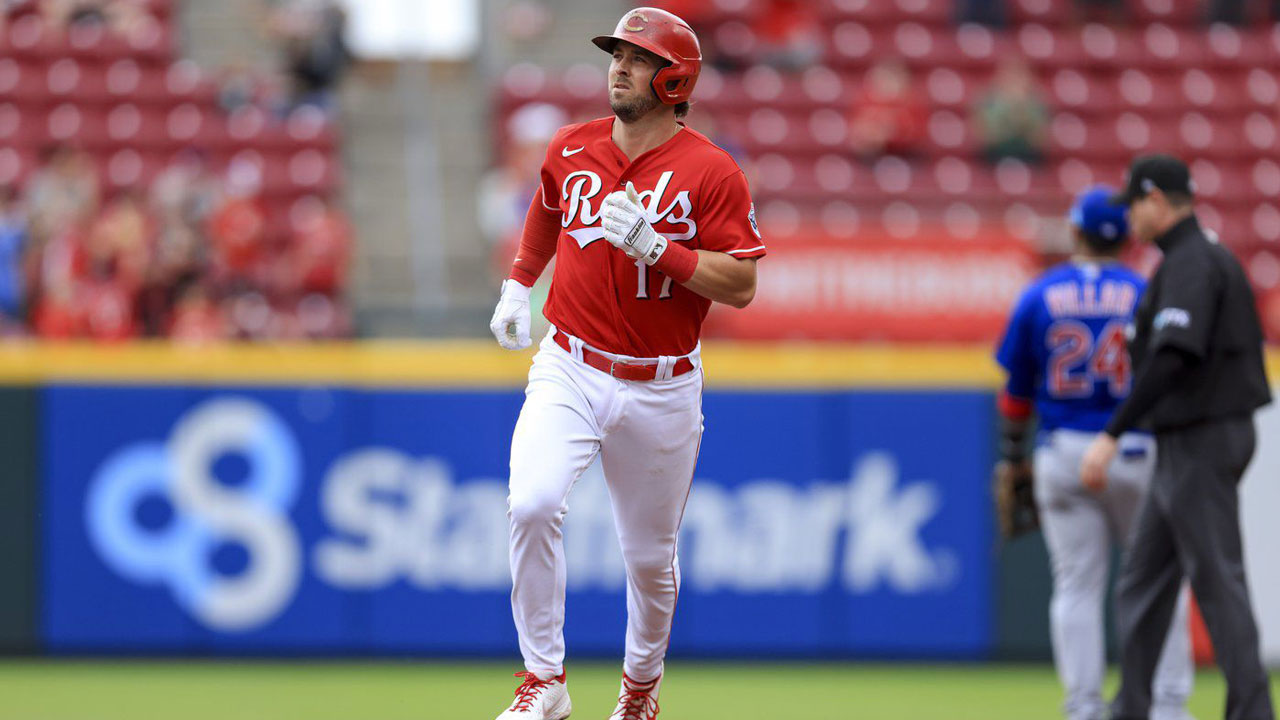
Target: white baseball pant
point(1081, 529)
point(647, 435)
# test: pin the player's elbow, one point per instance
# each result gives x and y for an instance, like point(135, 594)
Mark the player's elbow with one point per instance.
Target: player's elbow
point(743, 296)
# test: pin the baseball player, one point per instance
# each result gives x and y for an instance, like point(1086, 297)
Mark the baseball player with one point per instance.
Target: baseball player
point(1067, 362)
point(650, 223)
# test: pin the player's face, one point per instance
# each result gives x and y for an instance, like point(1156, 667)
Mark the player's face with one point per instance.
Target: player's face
point(630, 76)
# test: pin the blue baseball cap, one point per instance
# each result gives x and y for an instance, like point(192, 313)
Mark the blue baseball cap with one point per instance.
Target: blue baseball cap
point(1100, 218)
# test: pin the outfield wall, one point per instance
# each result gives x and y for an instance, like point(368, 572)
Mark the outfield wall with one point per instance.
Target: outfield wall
point(350, 500)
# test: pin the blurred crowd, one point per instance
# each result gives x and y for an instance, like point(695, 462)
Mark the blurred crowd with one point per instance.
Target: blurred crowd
point(194, 257)
point(197, 251)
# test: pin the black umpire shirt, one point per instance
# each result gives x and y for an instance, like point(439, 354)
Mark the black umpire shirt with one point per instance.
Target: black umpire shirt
point(1200, 304)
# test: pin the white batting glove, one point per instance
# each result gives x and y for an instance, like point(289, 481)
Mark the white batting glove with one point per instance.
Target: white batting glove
point(626, 227)
point(510, 323)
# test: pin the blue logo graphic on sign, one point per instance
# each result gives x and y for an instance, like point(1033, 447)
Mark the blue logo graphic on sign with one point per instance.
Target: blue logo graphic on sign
point(205, 515)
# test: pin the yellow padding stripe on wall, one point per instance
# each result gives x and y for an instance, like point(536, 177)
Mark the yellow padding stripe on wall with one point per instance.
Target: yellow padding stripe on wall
point(385, 363)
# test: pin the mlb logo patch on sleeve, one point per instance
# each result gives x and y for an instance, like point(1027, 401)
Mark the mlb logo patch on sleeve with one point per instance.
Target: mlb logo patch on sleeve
point(1172, 317)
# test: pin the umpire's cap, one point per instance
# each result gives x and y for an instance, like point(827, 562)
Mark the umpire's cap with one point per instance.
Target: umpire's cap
point(1151, 172)
point(1102, 221)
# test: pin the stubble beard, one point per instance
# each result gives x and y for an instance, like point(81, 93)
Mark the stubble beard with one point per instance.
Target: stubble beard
point(630, 110)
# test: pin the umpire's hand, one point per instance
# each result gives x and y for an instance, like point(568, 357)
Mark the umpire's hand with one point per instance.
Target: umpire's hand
point(1093, 469)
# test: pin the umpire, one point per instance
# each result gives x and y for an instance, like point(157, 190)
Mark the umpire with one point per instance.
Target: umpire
point(1197, 353)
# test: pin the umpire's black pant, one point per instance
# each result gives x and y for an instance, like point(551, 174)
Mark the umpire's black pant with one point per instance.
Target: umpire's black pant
point(1190, 525)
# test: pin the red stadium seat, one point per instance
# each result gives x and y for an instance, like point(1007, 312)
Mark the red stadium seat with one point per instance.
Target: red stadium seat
point(1044, 47)
point(822, 85)
point(1170, 12)
point(1260, 134)
point(947, 88)
point(928, 12)
point(64, 123)
point(1148, 94)
point(141, 127)
point(1055, 13)
point(854, 45)
point(1232, 48)
point(20, 129)
point(16, 163)
point(872, 12)
point(185, 82)
point(94, 44)
point(129, 168)
point(1164, 48)
point(28, 40)
point(1082, 93)
point(947, 132)
point(1262, 87)
point(1106, 48)
point(22, 83)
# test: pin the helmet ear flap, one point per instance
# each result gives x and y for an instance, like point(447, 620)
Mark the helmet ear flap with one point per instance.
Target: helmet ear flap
point(669, 89)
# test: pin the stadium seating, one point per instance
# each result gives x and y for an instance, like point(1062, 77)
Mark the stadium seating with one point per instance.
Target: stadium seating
point(132, 104)
point(1162, 81)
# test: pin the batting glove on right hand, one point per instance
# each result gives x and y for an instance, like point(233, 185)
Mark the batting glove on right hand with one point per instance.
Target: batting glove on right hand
point(626, 227)
point(510, 323)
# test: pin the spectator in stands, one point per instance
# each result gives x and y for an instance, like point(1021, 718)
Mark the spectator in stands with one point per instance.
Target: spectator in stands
point(983, 12)
point(1010, 120)
point(58, 315)
point(13, 242)
point(789, 34)
point(888, 116)
point(319, 249)
point(107, 304)
point(63, 191)
point(59, 266)
point(237, 87)
point(237, 228)
point(127, 18)
point(186, 190)
point(311, 36)
point(197, 318)
point(121, 237)
point(1228, 11)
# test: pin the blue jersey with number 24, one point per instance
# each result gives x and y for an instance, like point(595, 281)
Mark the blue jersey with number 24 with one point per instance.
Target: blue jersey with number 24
point(1065, 346)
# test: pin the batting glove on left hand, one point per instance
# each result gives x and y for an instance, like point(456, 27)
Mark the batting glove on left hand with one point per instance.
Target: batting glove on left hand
point(627, 228)
point(510, 323)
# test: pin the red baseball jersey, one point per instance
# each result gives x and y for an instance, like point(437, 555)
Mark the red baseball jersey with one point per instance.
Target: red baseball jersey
point(693, 193)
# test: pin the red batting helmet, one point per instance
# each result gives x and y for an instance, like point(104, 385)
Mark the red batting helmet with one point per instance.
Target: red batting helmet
point(668, 37)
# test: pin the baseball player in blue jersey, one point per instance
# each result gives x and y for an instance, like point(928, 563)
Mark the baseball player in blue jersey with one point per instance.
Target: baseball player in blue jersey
point(1067, 362)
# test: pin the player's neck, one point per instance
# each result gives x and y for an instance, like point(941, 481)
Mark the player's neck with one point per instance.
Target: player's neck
point(645, 133)
point(1090, 259)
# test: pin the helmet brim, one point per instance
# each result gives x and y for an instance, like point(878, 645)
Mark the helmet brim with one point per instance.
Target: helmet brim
point(607, 43)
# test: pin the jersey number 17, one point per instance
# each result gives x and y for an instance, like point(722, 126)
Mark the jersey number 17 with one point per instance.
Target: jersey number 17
point(1077, 361)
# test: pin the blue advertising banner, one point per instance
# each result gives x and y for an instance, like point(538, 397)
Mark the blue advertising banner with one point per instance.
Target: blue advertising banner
point(320, 520)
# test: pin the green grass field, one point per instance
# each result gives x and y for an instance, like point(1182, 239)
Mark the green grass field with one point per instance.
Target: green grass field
point(183, 690)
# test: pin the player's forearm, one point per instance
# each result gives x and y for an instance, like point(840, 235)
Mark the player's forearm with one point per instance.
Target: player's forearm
point(537, 242)
point(1015, 419)
point(723, 278)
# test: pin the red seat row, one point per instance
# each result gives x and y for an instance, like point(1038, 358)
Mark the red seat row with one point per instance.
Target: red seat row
point(28, 38)
point(281, 175)
point(146, 127)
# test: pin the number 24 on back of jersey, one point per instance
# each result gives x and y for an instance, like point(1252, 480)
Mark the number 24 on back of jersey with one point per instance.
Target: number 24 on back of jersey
point(1078, 359)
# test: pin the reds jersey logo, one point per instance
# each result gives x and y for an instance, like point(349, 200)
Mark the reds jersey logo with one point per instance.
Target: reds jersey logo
point(582, 186)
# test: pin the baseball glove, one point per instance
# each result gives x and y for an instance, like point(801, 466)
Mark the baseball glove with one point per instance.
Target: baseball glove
point(1015, 499)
